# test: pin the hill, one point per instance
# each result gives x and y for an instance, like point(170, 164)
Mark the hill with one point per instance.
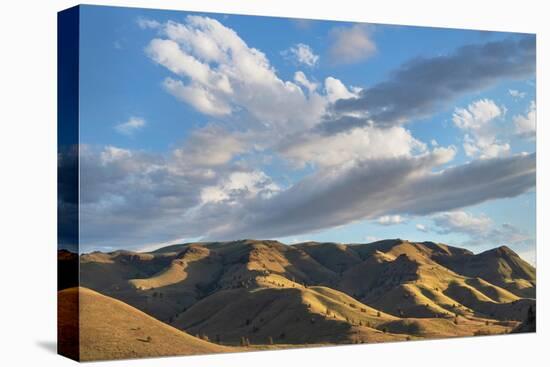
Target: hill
point(111, 329)
point(319, 293)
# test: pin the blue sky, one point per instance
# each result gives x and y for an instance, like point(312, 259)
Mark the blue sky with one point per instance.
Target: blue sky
point(214, 126)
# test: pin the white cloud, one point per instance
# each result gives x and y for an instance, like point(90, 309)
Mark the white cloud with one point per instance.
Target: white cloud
point(239, 185)
point(302, 54)
point(476, 115)
point(462, 222)
point(301, 79)
point(388, 220)
point(336, 90)
point(526, 124)
point(477, 121)
point(145, 23)
point(131, 126)
point(351, 44)
point(517, 94)
point(434, 143)
point(217, 73)
point(421, 227)
point(480, 229)
point(366, 143)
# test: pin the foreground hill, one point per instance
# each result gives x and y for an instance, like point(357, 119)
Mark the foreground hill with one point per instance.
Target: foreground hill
point(111, 329)
point(269, 292)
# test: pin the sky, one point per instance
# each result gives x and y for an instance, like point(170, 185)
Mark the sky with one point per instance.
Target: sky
point(201, 126)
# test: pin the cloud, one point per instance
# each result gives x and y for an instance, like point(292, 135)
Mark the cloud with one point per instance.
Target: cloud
point(217, 73)
point(480, 229)
point(350, 45)
point(422, 227)
point(517, 94)
point(130, 198)
point(131, 126)
point(462, 222)
point(473, 68)
point(388, 220)
point(366, 143)
point(336, 90)
point(301, 54)
point(214, 184)
point(477, 120)
point(301, 79)
point(210, 146)
point(237, 185)
point(526, 124)
point(371, 189)
point(145, 23)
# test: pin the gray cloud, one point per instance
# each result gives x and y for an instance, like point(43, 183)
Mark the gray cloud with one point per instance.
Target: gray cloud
point(384, 187)
point(421, 86)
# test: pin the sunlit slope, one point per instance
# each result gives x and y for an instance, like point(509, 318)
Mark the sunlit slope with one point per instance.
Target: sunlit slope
point(111, 329)
point(412, 286)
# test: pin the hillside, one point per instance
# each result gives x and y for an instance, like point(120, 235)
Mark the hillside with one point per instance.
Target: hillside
point(318, 293)
point(111, 329)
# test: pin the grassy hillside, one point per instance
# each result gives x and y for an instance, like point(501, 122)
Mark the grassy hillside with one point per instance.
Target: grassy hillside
point(111, 329)
point(268, 293)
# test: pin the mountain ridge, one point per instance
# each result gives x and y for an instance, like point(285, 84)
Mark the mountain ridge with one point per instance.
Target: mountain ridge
point(329, 292)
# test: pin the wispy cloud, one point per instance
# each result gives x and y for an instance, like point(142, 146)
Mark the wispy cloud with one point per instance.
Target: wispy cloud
point(130, 126)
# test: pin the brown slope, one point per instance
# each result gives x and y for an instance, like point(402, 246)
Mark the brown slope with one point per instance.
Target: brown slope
point(396, 276)
point(111, 329)
point(294, 315)
point(500, 266)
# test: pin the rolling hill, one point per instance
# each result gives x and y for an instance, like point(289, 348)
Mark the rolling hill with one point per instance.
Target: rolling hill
point(111, 329)
point(271, 294)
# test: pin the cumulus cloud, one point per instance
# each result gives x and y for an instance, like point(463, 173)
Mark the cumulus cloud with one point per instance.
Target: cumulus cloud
point(480, 229)
point(301, 54)
point(336, 90)
point(352, 44)
point(217, 73)
point(473, 68)
point(366, 143)
point(526, 124)
point(131, 126)
point(478, 122)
